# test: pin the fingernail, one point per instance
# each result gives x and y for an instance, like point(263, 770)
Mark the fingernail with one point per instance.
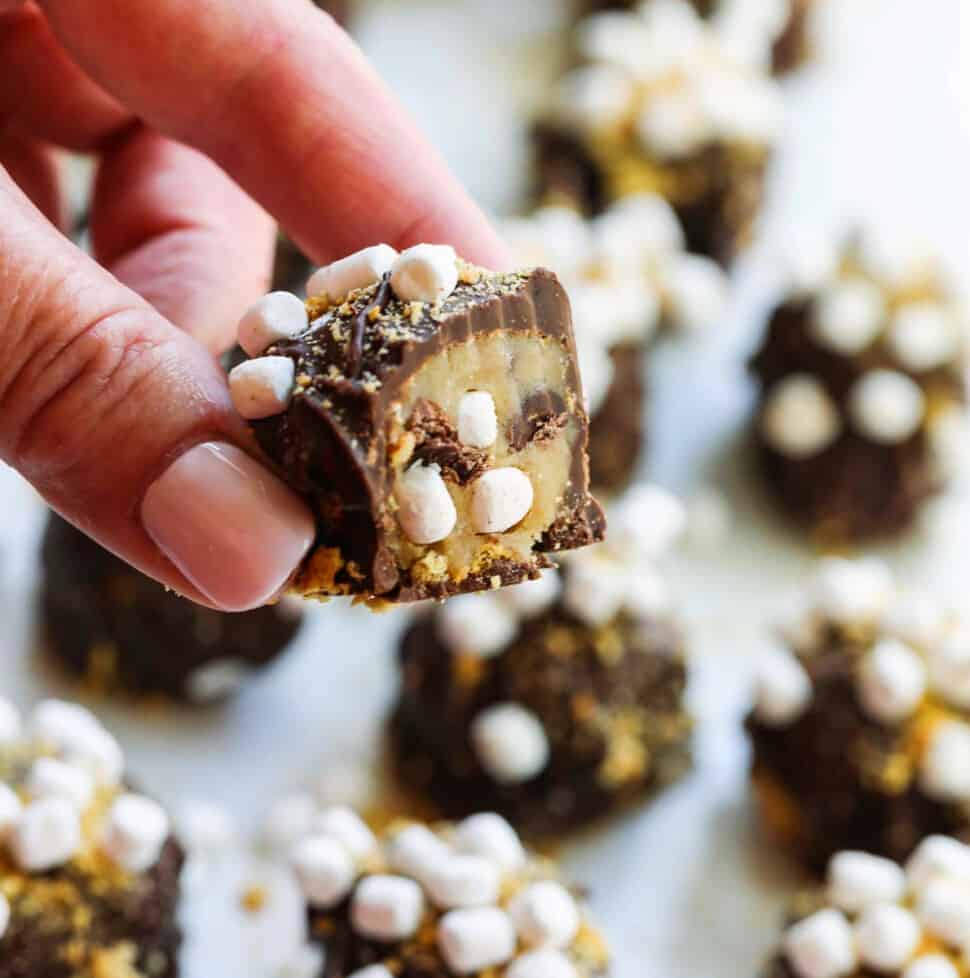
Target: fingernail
point(228, 524)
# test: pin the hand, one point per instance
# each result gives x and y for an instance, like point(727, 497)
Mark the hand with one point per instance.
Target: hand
point(201, 113)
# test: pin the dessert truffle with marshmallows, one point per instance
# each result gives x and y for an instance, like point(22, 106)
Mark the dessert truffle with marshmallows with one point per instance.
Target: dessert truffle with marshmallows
point(659, 104)
point(431, 412)
point(88, 870)
point(123, 632)
point(421, 901)
point(862, 379)
point(861, 723)
point(628, 275)
point(557, 701)
point(877, 917)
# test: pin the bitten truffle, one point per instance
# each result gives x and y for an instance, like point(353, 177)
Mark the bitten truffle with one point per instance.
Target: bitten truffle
point(862, 391)
point(861, 723)
point(557, 701)
point(88, 870)
point(432, 415)
point(421, 901)
point(659, 104)
point(122, 632)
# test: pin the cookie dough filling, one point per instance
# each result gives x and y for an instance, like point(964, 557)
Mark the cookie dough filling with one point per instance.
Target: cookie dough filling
point(861, 722)
point(556, 701)
point(88, 870)
point(432, 413)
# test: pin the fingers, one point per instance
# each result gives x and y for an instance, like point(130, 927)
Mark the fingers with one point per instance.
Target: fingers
point(172, 226)
point(284, 101)
point(36, 170)
point(124, 424)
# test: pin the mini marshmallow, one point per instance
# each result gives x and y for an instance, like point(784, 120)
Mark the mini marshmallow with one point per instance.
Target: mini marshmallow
point(262, 387)
point(594, 96)
point(821, 946)
point(949, 437)
point(544, 963)
point(277, 316)
point(10, 724)
point(473, 940)
point(51, 778)
point(510, 743)
point(492, 837)
point(531, 598)
point(372, 971)
point(937, 856)
point(216, 680)
point(695, 289)
point(565, 239)
point(849, 592)
point(886, 937)
point(545, 915)
point(47, 835)
point(848, 316)
point(857, 880)
point(416, 851)
point(324, 870)
point(637, 229)
point(97, 752)
point(476, 624)
point(944, 771)
point(897, 257)
point(501, 498)
point(356, 271)
point(426, 511)
point(807, 264)
point(916, 619)
point(782, 689)
point(135, 831)
point(204, 827)
point(645, 523)
point(288, 820)
point(4, 915)
point(924, 336)
point(891, 682)
point(477, 422)
point(425, 273)
point(949, 668)
point(613, 36)
point(672, 125)
point(932, 966)
point(648, 594)
point(57, 723)
point(387, 908)
point(595, 589)
point(886, 406)
point(943, 907)
point(345, 826)
point(10, 808)
point(799, 419)
point(742, 109)
point(463, 880)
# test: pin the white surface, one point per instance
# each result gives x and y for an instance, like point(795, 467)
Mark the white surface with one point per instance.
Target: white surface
point(685, 888)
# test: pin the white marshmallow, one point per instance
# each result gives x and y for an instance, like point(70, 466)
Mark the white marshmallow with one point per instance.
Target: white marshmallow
point(532, 598)
point(949, 668)
point(949, 437)
point(821, 946)
point(799, 418)
point(51, 778)
point(857, 880)
point(510, 743)
point(289, 819)
point(97, 752)
point(425, 273)
point(745, 109)
point(476, 624)
point(324, 870)
point(945, 766)
point(677, 36)
point(57, 723)
point(594, 96)
point(46, 835)
point(848, 316)
point(4, 915)
point(645, 523)
point(782, 689)
point(545, 915)
point(935, 857)
point(565, 239)
point(345, 826)
point(847, 592)
point(135, 831)
point(473, 940)
point(595, 589)
point(463, 880)
point(10, 725)
point(595, 366)
point(648, 594)
point(356, 271)
point(886, 937)
point(886, 406)
point(426, 511)
point(372, 971)
point(416, 851)
point(932, 966)
point(891, 681)
point(477, 422)
point(217, 680)
point(277, 316)
point(544, 963)
point(695, 289)
point(262, 387)
point(924, 335)
point(916, 619)
point(490, 836)
point(616, 37)
point(10, 808)
point(500, 499)
point(943, 907)
point(673, 126)
point(896, 256)
point(205, 828)
point(808, 263)
point(636, 230)
point(387, 908)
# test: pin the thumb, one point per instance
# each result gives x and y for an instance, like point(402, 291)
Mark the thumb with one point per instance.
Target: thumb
point(124, 424)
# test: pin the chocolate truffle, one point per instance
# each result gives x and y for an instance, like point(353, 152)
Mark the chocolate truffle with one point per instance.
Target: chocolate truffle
point(431, 413)
point(861, 723)
point(557, 701)
point(862, 388)
point(88, 870)
point(123, 632)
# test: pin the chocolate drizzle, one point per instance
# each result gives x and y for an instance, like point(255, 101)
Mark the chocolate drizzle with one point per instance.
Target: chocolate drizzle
point(355, 348)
